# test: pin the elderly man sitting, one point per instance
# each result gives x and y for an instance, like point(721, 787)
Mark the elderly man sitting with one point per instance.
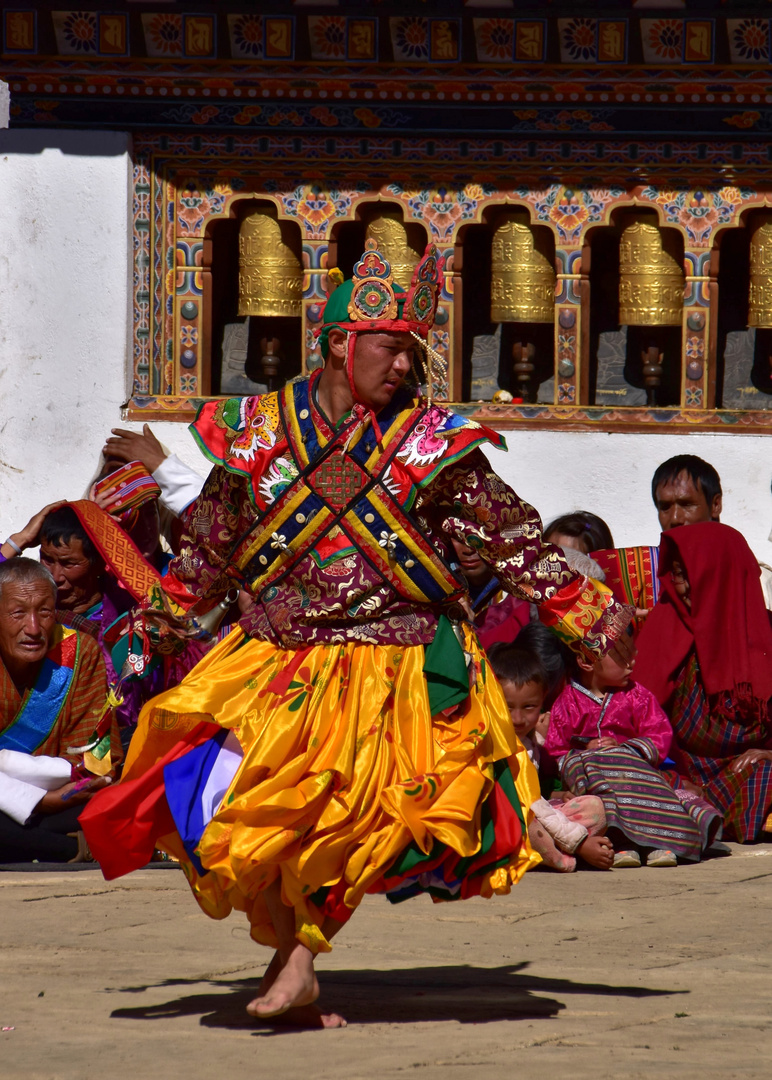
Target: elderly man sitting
point(52, 694)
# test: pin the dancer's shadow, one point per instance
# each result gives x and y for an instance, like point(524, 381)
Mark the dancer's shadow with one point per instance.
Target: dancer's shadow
point(411, 995)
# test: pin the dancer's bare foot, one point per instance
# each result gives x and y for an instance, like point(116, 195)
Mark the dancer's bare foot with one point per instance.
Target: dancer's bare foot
point(294, 986)
point(308, 1016)
point(305, 1016)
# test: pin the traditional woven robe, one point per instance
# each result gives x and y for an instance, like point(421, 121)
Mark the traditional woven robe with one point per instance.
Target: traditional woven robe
point(60, 711)
point(637, 798)
point(71, 721)
point(710, 666)
point(343, 778)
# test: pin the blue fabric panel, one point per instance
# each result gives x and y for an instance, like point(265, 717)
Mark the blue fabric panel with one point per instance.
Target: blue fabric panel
point(184, 782)
point(40, 711)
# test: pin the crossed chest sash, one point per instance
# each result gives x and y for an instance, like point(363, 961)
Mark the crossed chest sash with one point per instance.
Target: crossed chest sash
point(341, 492)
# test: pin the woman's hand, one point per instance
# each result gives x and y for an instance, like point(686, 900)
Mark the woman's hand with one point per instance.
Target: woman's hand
point(749, 760)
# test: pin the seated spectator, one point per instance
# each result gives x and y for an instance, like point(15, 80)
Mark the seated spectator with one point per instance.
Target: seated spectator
point(498, 616)
point(686, 491)
point(52, 697)
point(556, 660)
point(559, 831)
point(91, 595)
point(706, 654)
point(581, 530)
point(609, 737)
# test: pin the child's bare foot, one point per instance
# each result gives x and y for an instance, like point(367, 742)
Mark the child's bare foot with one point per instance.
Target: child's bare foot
point(598, 851)
point(294, 985)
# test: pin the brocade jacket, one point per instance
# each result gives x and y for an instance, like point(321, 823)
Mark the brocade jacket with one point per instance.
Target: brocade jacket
point(358, 547)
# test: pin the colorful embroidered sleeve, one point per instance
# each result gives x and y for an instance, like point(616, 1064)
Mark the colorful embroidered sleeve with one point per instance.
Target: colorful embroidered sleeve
point(221, 513)
point(487, 515)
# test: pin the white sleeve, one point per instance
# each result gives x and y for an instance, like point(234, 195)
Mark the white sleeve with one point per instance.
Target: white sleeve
point(18, 799)
point(179, 484)
point(24, 780)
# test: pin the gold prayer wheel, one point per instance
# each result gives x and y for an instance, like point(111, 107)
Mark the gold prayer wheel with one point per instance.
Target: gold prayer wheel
point(270, 270)
point(651, 277)
point(522, 272)
point(760, 296)
point(389, 232)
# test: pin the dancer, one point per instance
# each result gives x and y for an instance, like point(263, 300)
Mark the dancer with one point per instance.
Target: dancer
point(350, 725)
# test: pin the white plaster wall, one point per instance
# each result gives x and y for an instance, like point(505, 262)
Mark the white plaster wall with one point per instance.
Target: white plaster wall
point(610, 475)
point(64, 311)
point(64, 362)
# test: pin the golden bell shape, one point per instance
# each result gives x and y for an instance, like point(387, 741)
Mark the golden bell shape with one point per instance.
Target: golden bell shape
point(651, 278)
point(389, 232)
point(760, 296)
point(522, 272)
point(209, 623)
point(270, 271)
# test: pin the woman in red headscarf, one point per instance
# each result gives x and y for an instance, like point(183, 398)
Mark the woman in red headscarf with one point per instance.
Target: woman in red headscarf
point(706, 653)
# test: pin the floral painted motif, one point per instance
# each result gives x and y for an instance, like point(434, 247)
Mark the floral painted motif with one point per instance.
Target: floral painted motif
point(566, 345)
point(566, 393)
point(196, 204)
point(246, 32)
point(315, 208)
point(76, 31)
point(189, 335)
point(662, 40)
point(410, 38)
point(188, 384)
point(569, 210)
point(442, 208)
point(495, 39)
point(695, 348)
point(694, 396)
point(328, 36)
point(163, 34)
point(699, 212)
point(578, 39)
point(748, 40)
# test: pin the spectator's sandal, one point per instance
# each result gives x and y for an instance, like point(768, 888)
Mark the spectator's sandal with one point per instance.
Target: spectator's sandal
point(625, 859)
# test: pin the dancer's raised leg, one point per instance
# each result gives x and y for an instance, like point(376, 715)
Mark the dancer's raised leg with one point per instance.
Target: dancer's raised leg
point(309, 1015)
point(296, 983)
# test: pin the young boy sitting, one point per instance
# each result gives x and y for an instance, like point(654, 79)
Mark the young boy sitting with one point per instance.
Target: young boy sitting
point(560, 831)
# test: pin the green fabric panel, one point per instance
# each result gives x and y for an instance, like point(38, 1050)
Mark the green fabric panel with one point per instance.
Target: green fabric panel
point(411, 857)
point(445, 669)
point(502, 774)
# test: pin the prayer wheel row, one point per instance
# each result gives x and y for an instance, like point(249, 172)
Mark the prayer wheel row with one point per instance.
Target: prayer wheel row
point(651, 279)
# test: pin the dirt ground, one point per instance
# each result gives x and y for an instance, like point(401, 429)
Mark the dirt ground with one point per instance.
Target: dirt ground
point(634, 973)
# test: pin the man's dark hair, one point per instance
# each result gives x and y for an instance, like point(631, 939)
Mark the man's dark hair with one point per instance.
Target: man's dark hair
point(63, 525)
point(511, 664)
point(701, 473)
point(556, 659)
point(592, 531)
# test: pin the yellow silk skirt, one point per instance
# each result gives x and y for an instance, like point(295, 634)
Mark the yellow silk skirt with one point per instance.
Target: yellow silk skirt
point(343, 767)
